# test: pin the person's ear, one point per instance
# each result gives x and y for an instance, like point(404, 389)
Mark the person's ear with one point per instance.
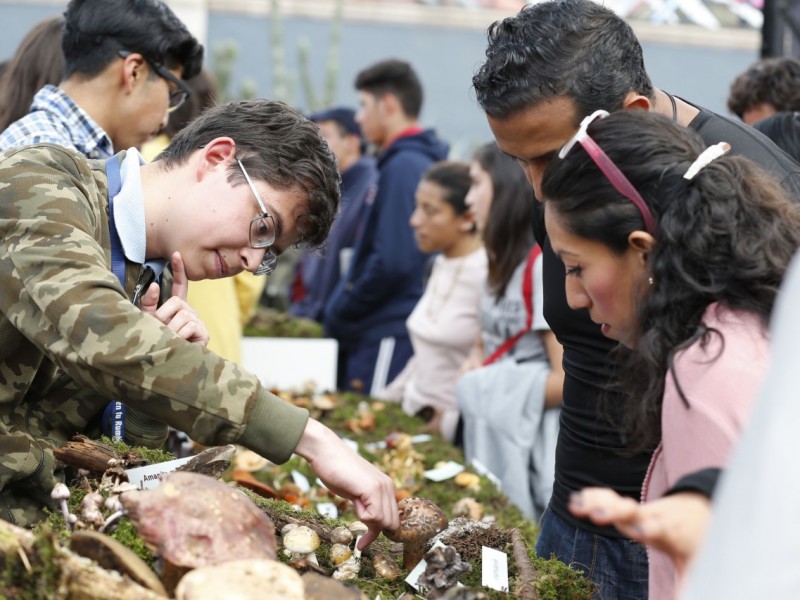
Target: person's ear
point(216, 154)
point(389, 104)
point(641, 242)
point(467, 222)
point(133, 70)
point(634, 101)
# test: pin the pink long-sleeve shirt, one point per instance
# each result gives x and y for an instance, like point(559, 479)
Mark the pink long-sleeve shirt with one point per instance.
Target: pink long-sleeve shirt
point(720, 380)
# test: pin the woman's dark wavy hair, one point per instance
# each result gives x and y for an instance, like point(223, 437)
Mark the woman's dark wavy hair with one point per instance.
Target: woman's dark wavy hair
point(277, 145)
point(508, 235)
point(453, 177)
point(726, 236)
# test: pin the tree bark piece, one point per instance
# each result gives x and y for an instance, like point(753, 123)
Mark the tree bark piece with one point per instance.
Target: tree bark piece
point(83, 453)
point(526, 572)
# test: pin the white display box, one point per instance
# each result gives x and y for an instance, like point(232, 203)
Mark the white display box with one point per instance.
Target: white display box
point(287, 363)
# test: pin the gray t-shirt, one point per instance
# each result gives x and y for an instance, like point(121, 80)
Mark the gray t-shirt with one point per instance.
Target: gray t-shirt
point(504, 318)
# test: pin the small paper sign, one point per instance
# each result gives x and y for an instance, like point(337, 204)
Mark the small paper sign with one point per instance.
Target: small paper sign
point(301, 481)
point(481, 469)
point(149, 477)
point(415, 439)
point(494, 569)
point(328, 509)
point(446, 471)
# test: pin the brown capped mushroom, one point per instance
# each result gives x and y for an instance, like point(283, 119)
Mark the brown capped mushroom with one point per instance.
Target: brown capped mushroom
point(420, 520)
point(341, 535)
point(195, 520)
point(385, 567)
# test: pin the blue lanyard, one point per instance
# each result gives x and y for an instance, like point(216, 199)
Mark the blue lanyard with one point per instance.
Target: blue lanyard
point(113, 423)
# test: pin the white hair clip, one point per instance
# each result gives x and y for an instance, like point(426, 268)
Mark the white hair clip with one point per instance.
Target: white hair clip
point(706, 156)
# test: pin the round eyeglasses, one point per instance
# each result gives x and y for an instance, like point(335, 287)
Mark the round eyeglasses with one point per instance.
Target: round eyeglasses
point(262, 230)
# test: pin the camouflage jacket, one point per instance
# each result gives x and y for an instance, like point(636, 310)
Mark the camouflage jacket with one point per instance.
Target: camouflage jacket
point(70, 339)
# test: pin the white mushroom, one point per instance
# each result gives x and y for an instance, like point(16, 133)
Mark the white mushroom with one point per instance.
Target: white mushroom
point(60, 494)
point(302, 542)
point(348, 570)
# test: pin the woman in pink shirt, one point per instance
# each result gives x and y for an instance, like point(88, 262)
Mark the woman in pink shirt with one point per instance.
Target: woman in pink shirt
point(676, 251)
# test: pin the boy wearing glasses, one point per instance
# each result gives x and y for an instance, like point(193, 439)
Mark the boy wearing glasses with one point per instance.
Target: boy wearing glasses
point(125, 63)
point(233, 190)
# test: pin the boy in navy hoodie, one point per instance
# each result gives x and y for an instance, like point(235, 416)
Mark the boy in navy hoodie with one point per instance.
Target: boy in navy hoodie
point(368, 310)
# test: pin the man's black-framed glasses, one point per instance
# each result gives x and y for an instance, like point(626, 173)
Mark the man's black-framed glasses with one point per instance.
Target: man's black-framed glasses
point(178, 95)
point(262, 230)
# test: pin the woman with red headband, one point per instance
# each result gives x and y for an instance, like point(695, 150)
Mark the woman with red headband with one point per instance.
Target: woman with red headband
point(676, 251)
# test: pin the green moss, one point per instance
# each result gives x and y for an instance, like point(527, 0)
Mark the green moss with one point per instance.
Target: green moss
point(268, 322)
point(125, 533)
point(556, 581)
point(151, 455)
point(41, 581)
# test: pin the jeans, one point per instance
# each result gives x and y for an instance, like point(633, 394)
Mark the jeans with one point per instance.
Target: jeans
point(618, 566)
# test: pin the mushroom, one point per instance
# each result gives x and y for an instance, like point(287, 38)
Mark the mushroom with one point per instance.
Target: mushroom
point(341, 535)
point(60, 494)
point(301, 543)
point(385, 567)
point(468, 480)
point(468, 507)
point(195, 520)
point(339, 554)
point(420, 520)
point(90, 509)
point(242, 579)
point(249, 461)
point(348, 570)
point(357, 528)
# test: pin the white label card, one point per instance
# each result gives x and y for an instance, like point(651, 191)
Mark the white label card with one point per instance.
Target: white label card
point(328, 509)
point(301, 481)
point(494, 569)
point(446, 471)
point(149, 477)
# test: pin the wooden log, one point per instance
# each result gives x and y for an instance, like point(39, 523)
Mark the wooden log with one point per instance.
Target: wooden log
point(83, 453)
point(526, 572)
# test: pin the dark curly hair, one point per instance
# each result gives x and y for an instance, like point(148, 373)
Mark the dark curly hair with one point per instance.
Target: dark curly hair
point(773, 81)
point(726, 236)
point(573, 48)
